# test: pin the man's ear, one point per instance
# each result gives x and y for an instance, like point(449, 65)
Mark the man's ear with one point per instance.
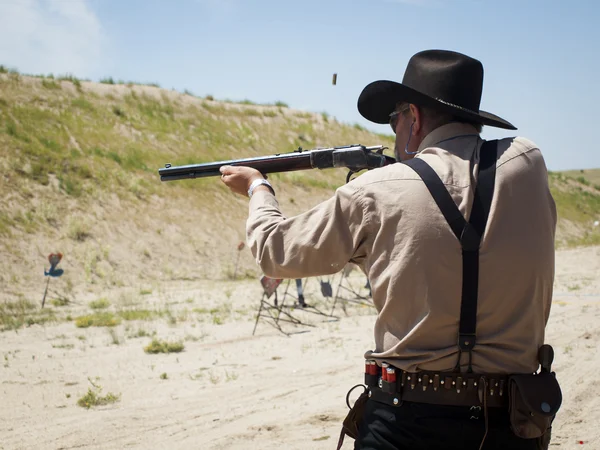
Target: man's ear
point(417, 119)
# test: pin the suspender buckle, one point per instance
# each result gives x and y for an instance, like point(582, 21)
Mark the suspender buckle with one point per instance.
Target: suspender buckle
point(466, 341)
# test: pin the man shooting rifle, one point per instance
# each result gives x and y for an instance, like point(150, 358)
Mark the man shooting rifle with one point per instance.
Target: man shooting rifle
point(457, 242)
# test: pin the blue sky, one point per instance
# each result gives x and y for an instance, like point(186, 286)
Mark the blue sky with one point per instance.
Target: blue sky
point(540, 57)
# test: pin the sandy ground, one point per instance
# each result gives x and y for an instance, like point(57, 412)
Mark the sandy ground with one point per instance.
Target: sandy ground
point(229, 389)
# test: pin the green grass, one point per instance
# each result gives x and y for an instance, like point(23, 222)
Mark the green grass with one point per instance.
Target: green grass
point(23, 313)
point(592, 176)
point(578, 201)
point(98, 319)
point(138, 314)
point(159, 346)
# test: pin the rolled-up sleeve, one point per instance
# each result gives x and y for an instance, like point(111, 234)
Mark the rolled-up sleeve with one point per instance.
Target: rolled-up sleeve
point(318, 242)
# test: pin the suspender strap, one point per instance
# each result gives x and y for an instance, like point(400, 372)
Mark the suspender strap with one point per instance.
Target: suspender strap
point(468, 233)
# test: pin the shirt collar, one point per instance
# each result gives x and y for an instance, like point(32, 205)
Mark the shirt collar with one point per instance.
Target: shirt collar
point(448, 131)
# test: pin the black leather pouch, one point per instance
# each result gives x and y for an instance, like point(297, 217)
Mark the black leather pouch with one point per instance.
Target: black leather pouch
point(354, 417)
point(533, 402)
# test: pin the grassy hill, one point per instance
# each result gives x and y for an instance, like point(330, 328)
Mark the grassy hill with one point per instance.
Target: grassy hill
point(79, 162)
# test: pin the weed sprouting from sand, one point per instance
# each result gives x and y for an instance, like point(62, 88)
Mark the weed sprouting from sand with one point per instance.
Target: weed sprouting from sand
point(158, 346)
point(231, 376)
point(171, 319)
point(60, 301)
point(141, 332)
point(93, 398)
point(164, 376)
point(193, 338)
point(217, 320)
point(218, 315)
point(213, 377)
point(198, 375)
point(99, 319)
point(101, 303)
point(115, 340)
point(138, 314)
point(78, 229)
point(65, 346)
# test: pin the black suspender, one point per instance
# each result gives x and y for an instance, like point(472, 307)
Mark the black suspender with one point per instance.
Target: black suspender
point(468, 233)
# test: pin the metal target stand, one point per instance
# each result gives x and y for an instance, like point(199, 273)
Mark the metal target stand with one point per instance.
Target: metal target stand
point(300, 304)
point(273, 313)
point(344, 284)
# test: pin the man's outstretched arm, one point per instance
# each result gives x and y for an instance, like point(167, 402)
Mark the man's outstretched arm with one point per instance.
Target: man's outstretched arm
point(318, 242)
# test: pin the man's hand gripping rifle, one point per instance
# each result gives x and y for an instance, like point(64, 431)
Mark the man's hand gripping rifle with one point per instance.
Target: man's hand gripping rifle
point(353, 157)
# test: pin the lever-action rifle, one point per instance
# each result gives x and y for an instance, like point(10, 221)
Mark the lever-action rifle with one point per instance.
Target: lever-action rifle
point(353, 157)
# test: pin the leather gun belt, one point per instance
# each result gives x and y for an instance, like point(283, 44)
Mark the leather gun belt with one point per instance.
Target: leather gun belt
point(393, 386)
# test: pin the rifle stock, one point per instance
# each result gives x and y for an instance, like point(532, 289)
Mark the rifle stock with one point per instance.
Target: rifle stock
point(353, 157)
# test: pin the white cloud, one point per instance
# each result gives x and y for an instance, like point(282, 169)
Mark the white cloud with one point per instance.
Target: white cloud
point(50, 36)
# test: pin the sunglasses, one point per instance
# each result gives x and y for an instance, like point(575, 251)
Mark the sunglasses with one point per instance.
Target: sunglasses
point(396, 114)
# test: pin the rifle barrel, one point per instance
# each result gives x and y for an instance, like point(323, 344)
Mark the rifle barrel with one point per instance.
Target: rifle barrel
point(265, 164)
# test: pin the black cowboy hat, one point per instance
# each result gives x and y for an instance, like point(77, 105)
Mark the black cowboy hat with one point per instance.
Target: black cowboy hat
point(440, 79)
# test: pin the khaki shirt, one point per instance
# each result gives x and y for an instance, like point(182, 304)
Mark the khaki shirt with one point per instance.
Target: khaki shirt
point(387, 222)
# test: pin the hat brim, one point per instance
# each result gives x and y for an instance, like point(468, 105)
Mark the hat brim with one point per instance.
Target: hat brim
point(379, 99)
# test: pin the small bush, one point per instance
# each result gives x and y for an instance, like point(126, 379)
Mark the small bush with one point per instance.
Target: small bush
point(50, 84)
point(118, 111)
point(101, 303)
point(78, 229)
point(158, 346)
point(93, 398)
point(61, 301)
point(281, 104)
point(108, 80)
point(583, 180)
